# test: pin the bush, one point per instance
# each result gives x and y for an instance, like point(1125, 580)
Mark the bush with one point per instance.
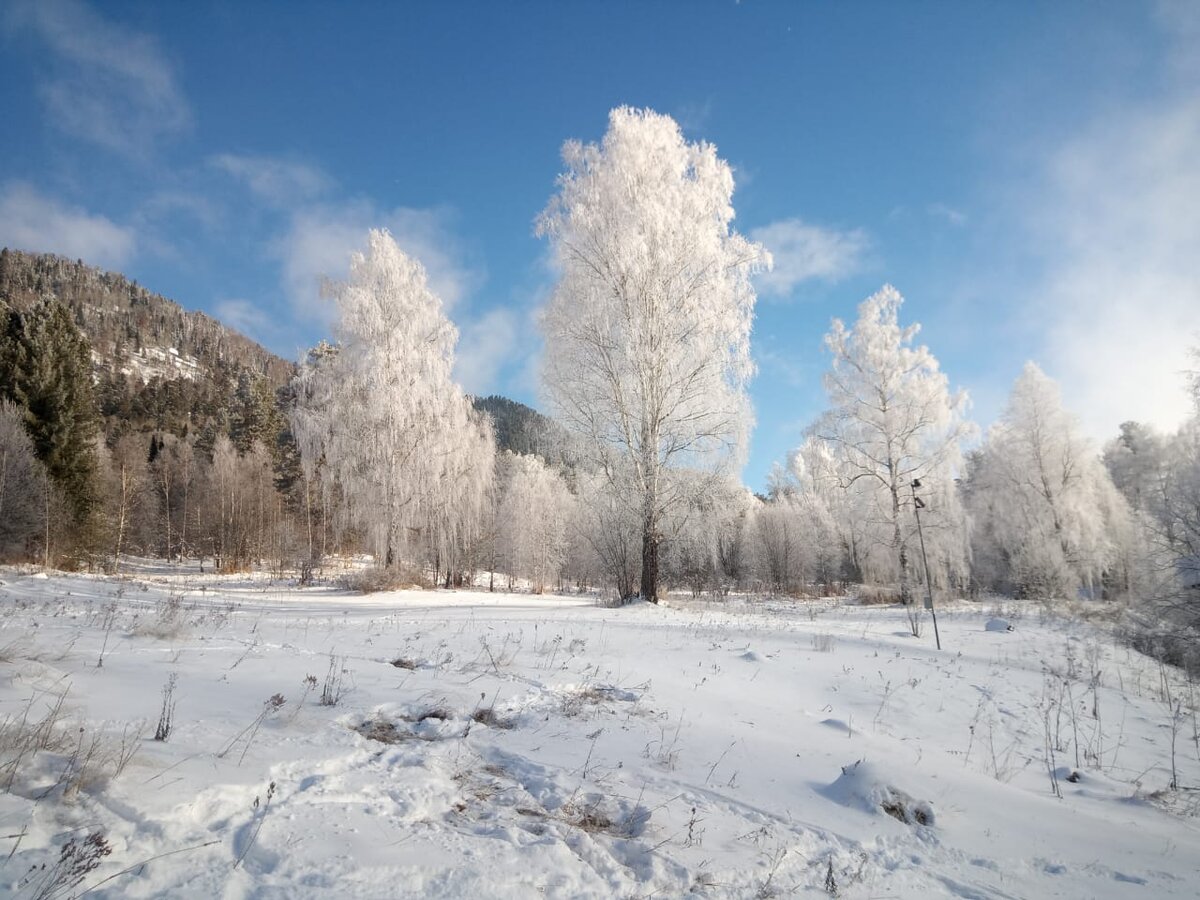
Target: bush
point(395, 578)
point(169, 620)
point(877, 595)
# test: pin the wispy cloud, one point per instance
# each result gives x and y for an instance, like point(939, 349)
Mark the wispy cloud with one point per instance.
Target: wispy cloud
point(31, 221)
point(805, 252)
point(486, 344)
point(279, 182)
point(244, 316)
point(784, 367)
point(948, 214)
point(100, 82)
point(694, 115)
point(320, 239)
point(1117, 211)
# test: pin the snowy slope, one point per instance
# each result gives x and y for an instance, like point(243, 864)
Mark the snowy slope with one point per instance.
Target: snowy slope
point(488, 745)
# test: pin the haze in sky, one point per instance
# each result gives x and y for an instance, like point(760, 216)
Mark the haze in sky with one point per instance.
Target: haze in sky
point(1026, 175)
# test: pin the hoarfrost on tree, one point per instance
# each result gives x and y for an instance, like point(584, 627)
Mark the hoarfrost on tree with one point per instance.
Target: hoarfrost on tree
point(892, 419)
point(381, 414)
point(1048, 519)
point(648, 327)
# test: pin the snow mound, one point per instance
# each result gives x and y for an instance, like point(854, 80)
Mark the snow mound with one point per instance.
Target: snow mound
point(998, 625)
point(863, 786)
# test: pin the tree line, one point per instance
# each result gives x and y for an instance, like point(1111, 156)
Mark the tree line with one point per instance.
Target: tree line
point(372, 448)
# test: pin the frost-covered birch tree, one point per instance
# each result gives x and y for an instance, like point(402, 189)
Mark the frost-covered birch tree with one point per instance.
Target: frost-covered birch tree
point(1049, 521)
point(892, 419)
point(648, 328)
point(536, 511)
point(381, 413)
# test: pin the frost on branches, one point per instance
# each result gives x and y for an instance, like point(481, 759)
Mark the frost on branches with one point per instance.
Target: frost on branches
point(380, 416)
point(892, 419)
point(648, 329)
point(536, 511)
point(1049, 522)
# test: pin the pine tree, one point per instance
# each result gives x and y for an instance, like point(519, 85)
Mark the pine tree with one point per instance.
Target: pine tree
point(45, 367)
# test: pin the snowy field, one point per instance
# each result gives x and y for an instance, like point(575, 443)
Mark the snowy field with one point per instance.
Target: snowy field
point(493, 745)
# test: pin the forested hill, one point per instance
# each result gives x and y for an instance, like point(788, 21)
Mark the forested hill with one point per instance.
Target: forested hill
point(130, 328)
point(522, 429)
point(157, 366)
point(160, 368)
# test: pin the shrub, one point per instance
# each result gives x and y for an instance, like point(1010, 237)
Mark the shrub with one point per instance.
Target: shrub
point(168, 621)
point(877, 595)
point(394, 578)
point(166, 715)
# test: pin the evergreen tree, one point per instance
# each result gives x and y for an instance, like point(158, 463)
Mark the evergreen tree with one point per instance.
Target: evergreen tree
point(45, 367)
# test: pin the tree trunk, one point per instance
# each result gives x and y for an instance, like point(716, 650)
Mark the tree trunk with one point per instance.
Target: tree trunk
point(900, 545)
point(121, 514)
point(649, 561)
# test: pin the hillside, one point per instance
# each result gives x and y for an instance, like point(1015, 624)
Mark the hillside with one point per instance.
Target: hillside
point(522, 429)
point(160, 367)
point(157, 366)
point(133, 331)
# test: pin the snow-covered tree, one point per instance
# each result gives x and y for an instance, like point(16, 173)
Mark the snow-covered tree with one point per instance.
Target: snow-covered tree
point(707, 550)
point(1048, 520)
point(459, 494)
point(798, 541)
point(647, 331)
point(892, 420)
point(381, 414)
point(1135, 461)
point(605, 537)
point(535, 514)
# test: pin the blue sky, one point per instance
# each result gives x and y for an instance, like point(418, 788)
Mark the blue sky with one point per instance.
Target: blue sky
point(1028, 175)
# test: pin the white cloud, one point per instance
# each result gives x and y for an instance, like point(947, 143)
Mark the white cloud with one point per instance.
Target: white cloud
point(32, 221)
point(102, 83)
point(486, 344)
point(321, 238)
point(1119, 222)
point(693, 116)
point(949, 214)
point(784, 367)
point(804, 252)
point(282, 183)
point(244, 316)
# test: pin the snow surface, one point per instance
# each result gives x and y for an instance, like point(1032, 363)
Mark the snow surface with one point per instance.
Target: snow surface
point(508, 745)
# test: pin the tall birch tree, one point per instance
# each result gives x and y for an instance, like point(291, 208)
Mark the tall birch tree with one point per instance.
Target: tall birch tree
point(648, 328)
point(893, 419)
point(1047, 512)
point(381, 414)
